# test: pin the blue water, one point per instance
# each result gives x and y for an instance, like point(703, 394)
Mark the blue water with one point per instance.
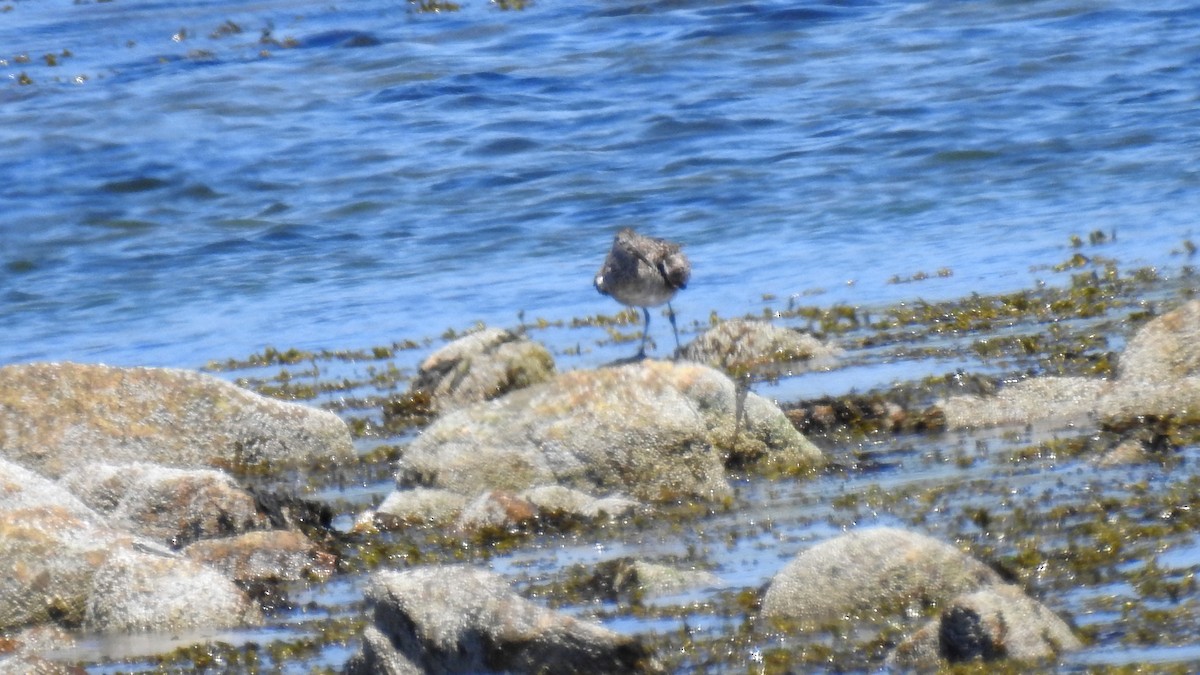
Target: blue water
point(171, 192)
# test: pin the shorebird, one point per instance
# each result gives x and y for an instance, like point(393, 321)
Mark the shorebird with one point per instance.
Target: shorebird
point(644, 272)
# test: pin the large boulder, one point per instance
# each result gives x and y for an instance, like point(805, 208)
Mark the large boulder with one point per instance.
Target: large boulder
point(872, 572)
point(55, 416)
point(462, 620)
point(482, 366)
point(654, 430)
point(172, 506)
point(993, 623)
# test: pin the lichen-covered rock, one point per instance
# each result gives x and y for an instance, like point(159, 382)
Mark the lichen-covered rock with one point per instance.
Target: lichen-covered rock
point(872, 572)
point(740, 346)
point(55, 416)
point(480, 367)
point(22, 652)
point(172, 506)
point(463, 620)
point(993, 623)
point(50, 546)
point(265, 556)
point(136, 591)
point(650, 429)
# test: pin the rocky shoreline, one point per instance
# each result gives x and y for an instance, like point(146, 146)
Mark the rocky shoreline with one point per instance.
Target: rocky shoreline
point(156, 500)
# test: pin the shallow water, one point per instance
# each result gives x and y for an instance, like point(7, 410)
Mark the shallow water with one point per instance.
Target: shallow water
point(176, 191)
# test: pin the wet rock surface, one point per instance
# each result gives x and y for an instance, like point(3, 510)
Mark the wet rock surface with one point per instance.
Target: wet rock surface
point(1158, 374)
point(482, 366)
point(651, 430)
point(743, 347)
point(994, 623)
point(464, 620)
point(870, 572)
point(57, 416)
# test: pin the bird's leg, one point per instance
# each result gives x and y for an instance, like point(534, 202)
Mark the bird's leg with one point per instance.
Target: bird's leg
point(671, 317)
point(645, 332)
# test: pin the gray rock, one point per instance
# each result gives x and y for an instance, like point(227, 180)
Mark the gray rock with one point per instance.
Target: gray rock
point(482, 366)
point(1035, 399)
point(650, 429)
point(872, 572)
point(136, 591)
point(417, 506)
point(462, 620)
point(55, 416)
point(741, 346)
point(993, 623)
point(50, 545)
point(275, 555)
point(642, 579)
point(558, 501)
point(496, 510)
point(172, 506)
point(1158, 374)
point(1166, 349)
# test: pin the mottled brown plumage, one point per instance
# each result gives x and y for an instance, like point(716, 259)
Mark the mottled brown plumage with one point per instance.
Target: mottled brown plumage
point(644, 272)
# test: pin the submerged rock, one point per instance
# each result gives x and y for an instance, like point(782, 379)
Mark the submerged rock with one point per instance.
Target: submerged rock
point(651, 430)
point(171, 506)
point(740, 346)
point(482, 366)
point(872, 572)
point(993, 623)
point(463, 620)
point(55, 416)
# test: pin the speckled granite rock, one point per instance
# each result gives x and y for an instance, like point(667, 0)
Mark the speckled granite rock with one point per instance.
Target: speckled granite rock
point(55, 416)
point(650, 430)
point(869, 572)
point(480, 367)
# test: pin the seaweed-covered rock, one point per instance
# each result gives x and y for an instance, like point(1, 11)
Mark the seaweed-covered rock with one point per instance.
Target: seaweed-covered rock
point(993, 623)
point(480, 367)
point(753, 346)
point(54, 416)
point(462, 620)
point(651, 430)
point(872, 572)
point(137, 591)
point(172, 506)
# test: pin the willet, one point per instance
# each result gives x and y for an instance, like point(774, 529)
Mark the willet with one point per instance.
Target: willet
point(644, 272)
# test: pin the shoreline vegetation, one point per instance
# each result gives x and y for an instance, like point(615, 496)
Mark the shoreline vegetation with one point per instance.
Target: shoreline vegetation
point(1070, 499)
